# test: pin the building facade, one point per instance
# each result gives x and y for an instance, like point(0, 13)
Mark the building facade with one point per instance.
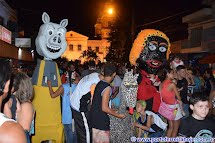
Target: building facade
point(78, 43)
point(201, 29)
point(8, 33)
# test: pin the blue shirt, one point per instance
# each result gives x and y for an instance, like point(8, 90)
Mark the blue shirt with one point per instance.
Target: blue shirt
point(66, 109)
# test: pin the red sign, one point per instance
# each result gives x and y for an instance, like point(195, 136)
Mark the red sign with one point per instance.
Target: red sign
point(6, 35)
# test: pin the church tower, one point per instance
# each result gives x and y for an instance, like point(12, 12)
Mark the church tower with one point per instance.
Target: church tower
point(104, 21)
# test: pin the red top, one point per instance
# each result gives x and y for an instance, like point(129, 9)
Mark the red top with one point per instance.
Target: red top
point(147, 91)
point(167, 96)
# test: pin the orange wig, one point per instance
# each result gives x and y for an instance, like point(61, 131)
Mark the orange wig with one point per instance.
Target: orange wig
point(140, 43)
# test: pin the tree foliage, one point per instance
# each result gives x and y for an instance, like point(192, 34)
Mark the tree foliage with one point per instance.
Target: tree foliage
point(89, 55)
point(120, 47)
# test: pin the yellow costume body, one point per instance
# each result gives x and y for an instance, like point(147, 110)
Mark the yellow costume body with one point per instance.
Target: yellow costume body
point(48, 112)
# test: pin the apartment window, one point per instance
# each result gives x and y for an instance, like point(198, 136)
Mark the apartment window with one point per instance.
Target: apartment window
point(71, 47)
point(79, 47)
point(97, 49)
point(89, 48)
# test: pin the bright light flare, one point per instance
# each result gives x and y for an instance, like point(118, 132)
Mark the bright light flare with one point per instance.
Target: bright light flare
point(110, 11)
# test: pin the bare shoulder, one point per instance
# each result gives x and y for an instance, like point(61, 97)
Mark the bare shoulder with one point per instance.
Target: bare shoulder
point(12, 132)
point(27, 105)
point(172, 84)
point(107, 89)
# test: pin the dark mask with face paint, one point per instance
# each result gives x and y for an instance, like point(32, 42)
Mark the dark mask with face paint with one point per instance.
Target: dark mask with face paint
point(150, 50)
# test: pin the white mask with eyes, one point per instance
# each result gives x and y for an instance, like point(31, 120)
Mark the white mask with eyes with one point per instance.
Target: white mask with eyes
point(152, 46)
point(162, 49)
point(51, 40)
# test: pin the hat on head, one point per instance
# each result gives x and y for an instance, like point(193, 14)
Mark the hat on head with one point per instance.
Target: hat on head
point(142, 102)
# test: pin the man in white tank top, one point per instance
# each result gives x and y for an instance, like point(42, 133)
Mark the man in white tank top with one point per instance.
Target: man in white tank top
point(80, 101)
point(10, 131)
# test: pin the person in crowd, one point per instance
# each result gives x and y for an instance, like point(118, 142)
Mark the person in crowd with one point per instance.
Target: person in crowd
point(120, 71)
point(197, 125)
point(182, 85)
point(170, 96)
point(80, 101)
point(10, 131)
point(189, 76)
point(209, 81)
point(100, 109)
point(12, 105)
point(65, 90)
point(147, 123)
point(176, 61)
point(63, 69)
point(91, 69)
point(212, 81)
point(212, 104)
point(197, 81)
point(116, 94)
point(24, 94)
point(70, 69)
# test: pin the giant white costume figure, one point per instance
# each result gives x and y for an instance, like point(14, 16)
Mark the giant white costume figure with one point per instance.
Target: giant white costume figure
point(51, 44)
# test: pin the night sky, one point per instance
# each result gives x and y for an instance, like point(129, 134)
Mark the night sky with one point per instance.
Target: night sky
point(82, 14)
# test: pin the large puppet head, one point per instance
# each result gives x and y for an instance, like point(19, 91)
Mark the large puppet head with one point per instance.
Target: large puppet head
point(150, 50)
point(51, 40)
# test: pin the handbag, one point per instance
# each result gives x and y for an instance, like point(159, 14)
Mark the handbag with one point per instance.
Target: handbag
point(166, 111)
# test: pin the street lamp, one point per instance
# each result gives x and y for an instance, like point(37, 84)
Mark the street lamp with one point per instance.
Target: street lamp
point(110, 11)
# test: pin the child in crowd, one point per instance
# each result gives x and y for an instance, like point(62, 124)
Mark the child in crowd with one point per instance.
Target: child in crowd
point(147, 123)
point(171, 97)
point(65, 90)
point(100, 107)
point(24, 93)
point(197, 125)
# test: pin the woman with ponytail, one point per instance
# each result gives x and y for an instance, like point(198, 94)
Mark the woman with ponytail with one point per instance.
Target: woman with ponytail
point(171, 97)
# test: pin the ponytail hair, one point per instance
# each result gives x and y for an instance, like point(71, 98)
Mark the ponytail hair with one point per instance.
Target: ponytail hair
point(165, 71)
point(70, 76)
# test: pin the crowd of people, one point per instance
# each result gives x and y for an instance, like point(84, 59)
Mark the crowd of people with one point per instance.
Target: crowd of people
point(91, 93)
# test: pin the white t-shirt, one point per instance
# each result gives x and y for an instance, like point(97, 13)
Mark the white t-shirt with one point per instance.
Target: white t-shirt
point(4, 119)
point(83, 88)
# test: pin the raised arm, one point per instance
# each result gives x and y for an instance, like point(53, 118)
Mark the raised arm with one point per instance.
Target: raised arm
point(58, 92)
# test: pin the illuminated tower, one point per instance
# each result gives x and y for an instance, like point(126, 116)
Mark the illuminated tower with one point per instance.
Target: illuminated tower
point(104, 21)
